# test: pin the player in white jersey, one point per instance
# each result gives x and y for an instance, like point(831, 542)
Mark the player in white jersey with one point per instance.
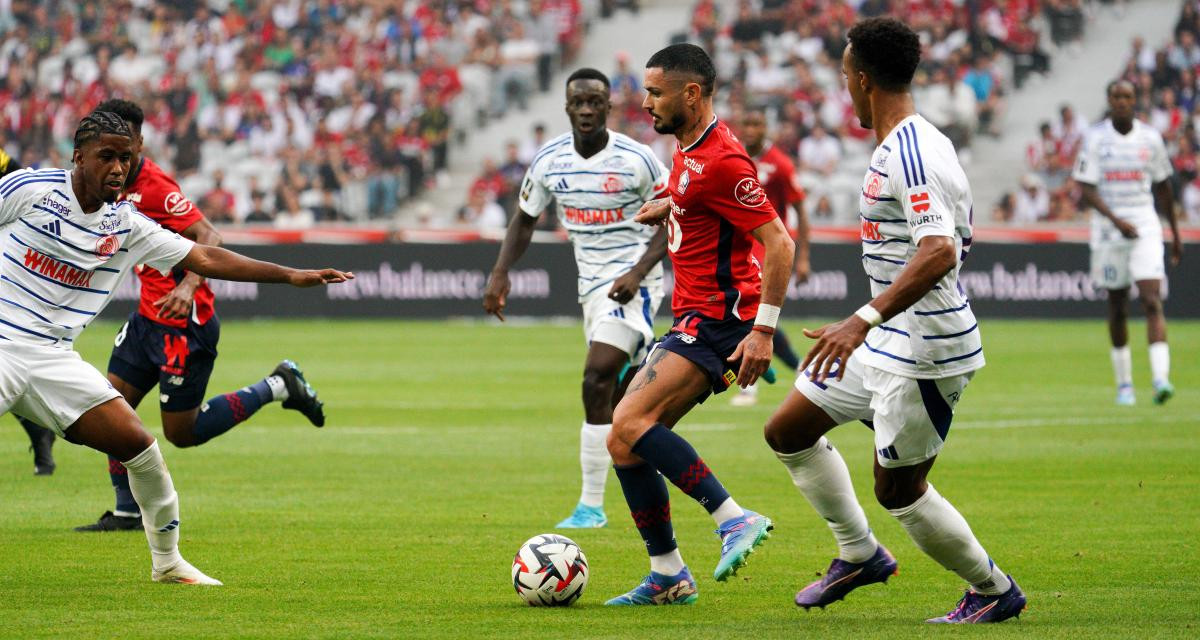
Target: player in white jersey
point(1123, 170)
point(901, 362)
point(65, 247)
point(599, 179)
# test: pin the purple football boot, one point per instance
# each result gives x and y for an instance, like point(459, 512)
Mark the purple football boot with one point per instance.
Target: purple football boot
point(977, 608)
point(844, 577)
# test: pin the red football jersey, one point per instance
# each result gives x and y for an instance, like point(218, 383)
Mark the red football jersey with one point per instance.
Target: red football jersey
point(157, 195)
point(777, 175)
point(716, 201)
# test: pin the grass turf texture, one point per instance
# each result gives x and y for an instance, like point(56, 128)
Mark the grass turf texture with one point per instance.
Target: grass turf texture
point(450, 444)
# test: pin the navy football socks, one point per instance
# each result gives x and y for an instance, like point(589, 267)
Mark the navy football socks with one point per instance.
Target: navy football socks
point(650, 505)
point(126, 505)
point(783, 349)
point(678, 461)
point(221, 413)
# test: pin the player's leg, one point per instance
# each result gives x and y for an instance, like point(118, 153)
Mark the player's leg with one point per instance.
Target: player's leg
point(601, 376)
point(41, 443)
point(667, 382)
point(1150, 295)
point(1110, 271)
point(796, 433)
point(912, 420)
point(645, 489)
point(114, 428)
point(783, 349)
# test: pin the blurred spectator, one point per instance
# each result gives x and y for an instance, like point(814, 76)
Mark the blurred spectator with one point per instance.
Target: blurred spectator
point(219, 202)
point(981, 79)
point(434, 125)
point(1066, 21)
point(623, 78)
point(490, 180)
point(1032, 202)
point(530, 145)
point(258, 208)
point(1191, 202)
point(518, 69)
point(948, 104)
point(482, 212)
point(512, 172)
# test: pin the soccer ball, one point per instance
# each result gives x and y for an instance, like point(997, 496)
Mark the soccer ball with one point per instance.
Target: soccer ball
point(549, 571)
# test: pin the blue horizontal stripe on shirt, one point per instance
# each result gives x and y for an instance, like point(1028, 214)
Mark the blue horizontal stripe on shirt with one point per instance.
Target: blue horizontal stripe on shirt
point(60, 194)
point(81, 228)
point(551, 146)
point(620, 246)
point(649, 165)
point(564, 191)
point(29, 331)
point(48, 279)
point(864, 217)
point(867, 256)
point(962, 357)
point(28, 181)
point(889, 240)
point(58, 239)
point(17, 176)
point(885, 353)
point(34, 313)
point(53, 304)
point(953, 335)
point(885, 147)
point(598, 285)
point(874, 170)
point(614, 228)
point(893, 330)
point(604, 264)
point(878, 280)
point(941, 311)
point(588, 173)
point(878, 198)
point(56, 258)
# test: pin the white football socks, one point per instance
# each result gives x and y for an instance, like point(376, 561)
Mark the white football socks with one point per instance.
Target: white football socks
point(1160, 363)
point(667, 564)
point(1122, 362)
point(727, 511)
point(940, 531)
point(595, 462)
point(820, 474)
point(155, 494)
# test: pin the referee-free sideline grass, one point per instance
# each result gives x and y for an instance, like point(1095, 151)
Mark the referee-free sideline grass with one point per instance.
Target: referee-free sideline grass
point(448, 444)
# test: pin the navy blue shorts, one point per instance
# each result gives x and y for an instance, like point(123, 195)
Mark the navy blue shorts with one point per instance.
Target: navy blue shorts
point(708, 343)
point(180, 361)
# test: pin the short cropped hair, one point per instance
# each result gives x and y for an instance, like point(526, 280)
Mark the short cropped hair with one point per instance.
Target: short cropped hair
point(98, 123)
point(588, 73)
point(687, 58)
point(887, 50)
point(128, 111)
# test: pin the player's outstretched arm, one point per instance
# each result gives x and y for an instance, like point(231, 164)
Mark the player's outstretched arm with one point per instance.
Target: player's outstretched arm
point(755, 349)
point(654, 212)
point(625, 287)
point(1089, 195)
point(1164, 203)
point(516, 241)
point(935, 257)
point(223, 264)
point(177, 304)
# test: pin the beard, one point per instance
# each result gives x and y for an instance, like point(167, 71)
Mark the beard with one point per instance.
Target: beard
point(670, 126)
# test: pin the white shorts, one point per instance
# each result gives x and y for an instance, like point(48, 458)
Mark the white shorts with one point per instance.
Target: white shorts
point(911, 418)
point(49, 386)
point(628, 327)
point(1118, 263)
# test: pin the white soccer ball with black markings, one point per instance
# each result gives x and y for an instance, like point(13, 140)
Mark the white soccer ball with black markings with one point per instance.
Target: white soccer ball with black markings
point(549, 571)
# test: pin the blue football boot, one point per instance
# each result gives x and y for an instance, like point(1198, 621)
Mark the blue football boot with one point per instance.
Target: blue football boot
point(739, 536)
point(658, 589)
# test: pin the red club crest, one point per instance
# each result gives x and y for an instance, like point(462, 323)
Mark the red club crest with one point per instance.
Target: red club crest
point(749, 192)
point(873, 188)
point(107, 247)
point(612, 183)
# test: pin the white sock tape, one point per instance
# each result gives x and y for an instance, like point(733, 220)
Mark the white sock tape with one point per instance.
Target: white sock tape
point(870, 315)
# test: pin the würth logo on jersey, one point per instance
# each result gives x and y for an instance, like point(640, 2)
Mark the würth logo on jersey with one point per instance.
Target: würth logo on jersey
point(920, 202)
point(177, 204)
point(55, 270)
point(749, 192)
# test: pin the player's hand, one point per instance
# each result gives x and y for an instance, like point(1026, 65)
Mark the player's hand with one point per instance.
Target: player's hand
point(1176, 250)
point(625, 287)
point(802, 270)
point(835, 343)
point(177, 304)
point(755, 353)
point(654, 212)
point(317, 277)
point(496, 294)
point(1126, 229)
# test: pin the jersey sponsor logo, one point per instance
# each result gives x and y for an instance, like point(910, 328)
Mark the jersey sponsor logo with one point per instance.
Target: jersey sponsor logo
point(55, 270)
point(870, 231)
point(107, 247)
point(685, 179)
point(613, 183)
point(593, 216)
point(561, 165)
point(109, 224)
point(526, 188)
point(920, 201)
point(698, 167)
point(927, 219)
point(135, 197)
point(874, 188)
point(748, 192)
point(1124, 174)
point(49, 202)
point(177, 204)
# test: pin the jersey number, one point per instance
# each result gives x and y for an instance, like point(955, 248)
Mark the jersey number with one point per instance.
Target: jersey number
point(674, 233)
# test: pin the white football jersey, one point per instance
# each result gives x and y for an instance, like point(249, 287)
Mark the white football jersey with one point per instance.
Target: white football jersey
point(61, 265)
point(1123, 167)
point(915, 188)
point(597, 198)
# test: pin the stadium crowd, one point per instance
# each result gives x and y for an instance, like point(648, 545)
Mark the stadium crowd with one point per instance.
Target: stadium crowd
point(1165, 78)
point(315, 109)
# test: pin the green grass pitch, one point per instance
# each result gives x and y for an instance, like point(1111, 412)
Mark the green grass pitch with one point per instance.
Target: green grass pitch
point(449, 444)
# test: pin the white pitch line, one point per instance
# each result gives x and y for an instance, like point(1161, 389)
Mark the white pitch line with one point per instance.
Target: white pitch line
point(1067, 422)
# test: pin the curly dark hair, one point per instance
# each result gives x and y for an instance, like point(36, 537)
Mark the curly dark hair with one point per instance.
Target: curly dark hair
point(886, 50)
point(687, 58)
point(98, 123)
point(129, 112)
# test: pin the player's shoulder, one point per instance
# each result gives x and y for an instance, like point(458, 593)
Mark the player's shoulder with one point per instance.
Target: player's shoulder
point(637, 153)
point(1147, 132)
point(778, 157)
point(626, 143)
point(25, 180)
point(917, 150)
point(549, 150)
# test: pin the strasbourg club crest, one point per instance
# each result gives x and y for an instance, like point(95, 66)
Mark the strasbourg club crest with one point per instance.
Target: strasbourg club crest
point(874, 186)
point(107, 246)
point(612, 183)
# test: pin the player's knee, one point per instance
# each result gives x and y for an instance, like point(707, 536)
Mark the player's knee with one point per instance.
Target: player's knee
point(1152, 305)
point(895, 495)
point(618, 450)
point(598, 385)
point(787, 435)
point(181, 438)
point(628, 425)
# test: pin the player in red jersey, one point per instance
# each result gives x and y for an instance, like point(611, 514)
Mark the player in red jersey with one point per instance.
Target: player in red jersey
point(777, 175)
point(171, 340)
point(730, 250)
